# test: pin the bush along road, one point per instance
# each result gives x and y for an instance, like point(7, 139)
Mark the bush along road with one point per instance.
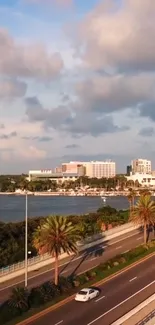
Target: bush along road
point(23, 303)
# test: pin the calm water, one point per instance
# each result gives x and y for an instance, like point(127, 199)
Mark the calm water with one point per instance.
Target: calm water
point(12, 208)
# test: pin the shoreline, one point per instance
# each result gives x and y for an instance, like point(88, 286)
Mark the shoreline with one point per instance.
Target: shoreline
point(68, 194)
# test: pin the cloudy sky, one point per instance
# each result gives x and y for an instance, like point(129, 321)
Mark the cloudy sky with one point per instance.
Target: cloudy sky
point(77, 82)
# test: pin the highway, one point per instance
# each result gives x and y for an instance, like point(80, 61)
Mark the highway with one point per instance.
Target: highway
point(77, 264)
point(118, 296)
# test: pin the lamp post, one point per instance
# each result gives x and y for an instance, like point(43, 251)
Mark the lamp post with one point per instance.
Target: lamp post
point(26, 230)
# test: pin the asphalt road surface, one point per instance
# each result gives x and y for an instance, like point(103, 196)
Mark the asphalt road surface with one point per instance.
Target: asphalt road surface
point(118, 296)
point(76, 264)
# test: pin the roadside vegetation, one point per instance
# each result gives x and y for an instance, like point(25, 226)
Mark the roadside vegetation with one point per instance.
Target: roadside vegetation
point(57, 234)
point(25, 303)
point(12, 235)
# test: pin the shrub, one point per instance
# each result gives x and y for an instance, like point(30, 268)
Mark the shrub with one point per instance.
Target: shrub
point(65, 284)
point(19, 300)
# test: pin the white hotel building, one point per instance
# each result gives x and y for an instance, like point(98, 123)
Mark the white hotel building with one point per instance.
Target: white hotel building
point(100, 169)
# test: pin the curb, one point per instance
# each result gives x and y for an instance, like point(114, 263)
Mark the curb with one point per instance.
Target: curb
point(99, 283)
point(135, 311)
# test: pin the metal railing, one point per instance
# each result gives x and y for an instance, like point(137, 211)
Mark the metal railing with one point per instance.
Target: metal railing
point(37, 259)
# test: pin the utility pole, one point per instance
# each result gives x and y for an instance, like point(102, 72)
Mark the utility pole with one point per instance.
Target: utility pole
point(26, 244)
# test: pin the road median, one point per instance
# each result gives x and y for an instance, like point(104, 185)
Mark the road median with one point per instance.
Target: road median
point(96, 276)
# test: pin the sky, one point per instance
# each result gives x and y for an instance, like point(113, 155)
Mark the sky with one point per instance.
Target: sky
point(77, 82)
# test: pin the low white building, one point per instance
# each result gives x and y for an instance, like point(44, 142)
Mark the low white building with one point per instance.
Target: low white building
point(143, 179)
point(49, 174)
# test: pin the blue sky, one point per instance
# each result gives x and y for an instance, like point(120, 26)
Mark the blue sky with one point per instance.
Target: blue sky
point(77, 81)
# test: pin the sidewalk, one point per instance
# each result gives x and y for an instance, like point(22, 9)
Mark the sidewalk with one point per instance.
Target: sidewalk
point(146, 316)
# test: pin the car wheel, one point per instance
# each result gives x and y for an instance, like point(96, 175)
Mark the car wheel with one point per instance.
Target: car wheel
point(97, 294)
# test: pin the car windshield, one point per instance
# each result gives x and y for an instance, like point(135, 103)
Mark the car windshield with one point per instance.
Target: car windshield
point(82, 292)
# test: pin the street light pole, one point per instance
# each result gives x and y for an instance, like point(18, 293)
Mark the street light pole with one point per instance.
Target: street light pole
point(26, 230)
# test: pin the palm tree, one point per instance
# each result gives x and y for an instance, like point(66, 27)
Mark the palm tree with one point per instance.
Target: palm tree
point(55, 236)
point(133, 195)
point(130, 203)
point(145, 191)
point(144, 213)
point(19, 299)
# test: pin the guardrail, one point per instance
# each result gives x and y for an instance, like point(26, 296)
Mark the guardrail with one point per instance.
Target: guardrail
point(88, 242)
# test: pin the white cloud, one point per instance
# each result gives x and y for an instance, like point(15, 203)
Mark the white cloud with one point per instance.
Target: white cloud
point(120, 37)
point(12, 88)
point(31, 153)
point(27, 61)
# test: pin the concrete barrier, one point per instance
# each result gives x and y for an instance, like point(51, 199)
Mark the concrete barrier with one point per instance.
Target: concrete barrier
point(40, 261)
point(134, 311)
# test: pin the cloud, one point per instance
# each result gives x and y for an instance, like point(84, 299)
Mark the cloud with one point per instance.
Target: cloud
point(8, 136)
point(37, 138)
point(79, 124)
point(147, 131)
point(112, 93)
point(72, 146)
point(32, 153)
point(12, 88)
point(51, 2)
point(148, 109)
point(27, 61)
point(119, 35)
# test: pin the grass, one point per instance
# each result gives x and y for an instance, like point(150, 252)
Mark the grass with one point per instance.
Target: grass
point(101, 275)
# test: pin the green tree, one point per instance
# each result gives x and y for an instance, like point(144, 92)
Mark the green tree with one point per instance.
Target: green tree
point(144, 213)
point(55, 236)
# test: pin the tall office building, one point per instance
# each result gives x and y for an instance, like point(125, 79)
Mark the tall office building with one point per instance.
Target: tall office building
point(141, 166)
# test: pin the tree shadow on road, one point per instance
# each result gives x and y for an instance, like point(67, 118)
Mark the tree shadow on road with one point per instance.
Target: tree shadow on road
point(89, 255)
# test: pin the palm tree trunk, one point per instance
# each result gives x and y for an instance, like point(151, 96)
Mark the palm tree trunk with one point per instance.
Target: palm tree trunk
point(133, 203)
point(145, 233)
point(56, 270)
point(130, 209)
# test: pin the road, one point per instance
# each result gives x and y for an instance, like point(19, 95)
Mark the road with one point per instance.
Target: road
point(118, 296)
point(77, 264)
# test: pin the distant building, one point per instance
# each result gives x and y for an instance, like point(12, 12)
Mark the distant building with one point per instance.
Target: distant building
point(91, 169)
point(75, 169)
point(141, 166)
point(145, 180)
point(44, 174)
point(128, 170)
point(100, 169)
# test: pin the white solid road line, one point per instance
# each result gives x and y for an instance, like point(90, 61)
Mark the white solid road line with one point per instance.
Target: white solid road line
point(126, 251)
point(87, 269)
point(100, 299)
point(139, 238)
point(133, 279)
point(92, 259)
point(118, 241)
point(77, 258)
point(121, 303)
point(59, 322)
point(118, 247)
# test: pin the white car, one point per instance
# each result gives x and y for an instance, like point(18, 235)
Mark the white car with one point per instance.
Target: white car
point(87, 294)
